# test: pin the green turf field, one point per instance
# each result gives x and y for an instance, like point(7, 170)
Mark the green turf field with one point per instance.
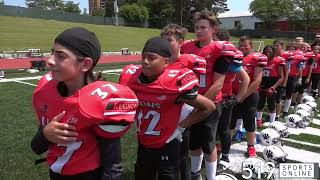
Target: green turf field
point(27, 33)
point(19, 125)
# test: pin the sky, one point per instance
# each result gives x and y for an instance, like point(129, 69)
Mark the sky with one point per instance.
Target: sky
point(237, 7)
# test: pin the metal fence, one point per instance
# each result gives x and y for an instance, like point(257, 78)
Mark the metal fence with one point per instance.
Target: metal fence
point(308, 36)
point(6, 10)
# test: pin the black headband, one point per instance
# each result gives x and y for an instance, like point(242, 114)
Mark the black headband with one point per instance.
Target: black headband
point(80, 41)
point(158, 46)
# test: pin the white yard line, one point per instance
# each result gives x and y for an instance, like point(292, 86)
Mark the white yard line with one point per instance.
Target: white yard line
point(302, 142)
point(316, 121)
point(20, 79)
point(112, 71)
point(23, 82)
point(297, 131)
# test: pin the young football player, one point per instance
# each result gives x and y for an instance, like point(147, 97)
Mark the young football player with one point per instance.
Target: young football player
point(253, 63)
point(202, 135)
point(229, 100)
point(280, 91)
point(315, 76)
point(294, 66)
point(161, 115)
point(175, 34)
point(309, 58)
point(272, 77)
point(84, 106)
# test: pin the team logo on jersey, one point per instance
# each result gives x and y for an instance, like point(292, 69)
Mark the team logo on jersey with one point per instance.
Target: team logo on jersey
point(44, 108)
point(162, 97)
point(121, 106)
point(173, 73)
point(149, 104)
point(208, 56)
point(72, 120)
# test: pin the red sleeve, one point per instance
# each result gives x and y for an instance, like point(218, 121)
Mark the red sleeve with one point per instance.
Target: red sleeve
point(126, 73)
point(187, 80)
point(197, 64)
point(262, 60)
point(281, 61)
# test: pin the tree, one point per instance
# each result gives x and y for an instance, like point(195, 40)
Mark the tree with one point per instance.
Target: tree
point(85, 11)
point(191, 6)
point(72, 7)
point(134, 12)
point(45, 4)
point(98, 12)
point(269, 11)
point(41, 4)
point(305, 11)
point(55, 5)
point(1, 2)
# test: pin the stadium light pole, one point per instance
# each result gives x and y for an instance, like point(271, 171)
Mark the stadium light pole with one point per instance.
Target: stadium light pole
point(180, 12)
point(116, 11)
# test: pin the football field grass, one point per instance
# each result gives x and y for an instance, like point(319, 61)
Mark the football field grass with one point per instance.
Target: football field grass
point(18, 124)
point(27, 33)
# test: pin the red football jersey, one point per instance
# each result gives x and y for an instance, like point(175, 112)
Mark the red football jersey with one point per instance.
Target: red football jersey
point(249, 63)
point(316, 64)
point(90, 110)
point(158, 113)
point(211, 53)
point(271, 70)
point(308, 56)
point(296, 61)
point(227, 84)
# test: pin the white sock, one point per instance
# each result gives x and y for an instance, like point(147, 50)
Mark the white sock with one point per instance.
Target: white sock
point(239, 124)
point(272, 117)
point(211, 168)
point(196, 162)
point(287, 105)
point(259, 115)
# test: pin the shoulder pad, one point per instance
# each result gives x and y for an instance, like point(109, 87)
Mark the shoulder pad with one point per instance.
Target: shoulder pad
point(197, 64)
point(228, 49)
point(262, 60)
point(287, 54)
point(107, 102)
point(178, 80)
point(43, 81)
point(127, 72)
point(217, 44)
point(298, 57)
point(309, 55)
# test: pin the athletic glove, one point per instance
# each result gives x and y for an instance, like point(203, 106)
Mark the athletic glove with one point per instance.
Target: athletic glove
point(271, 91)
point(299, 82)
point(177, 134)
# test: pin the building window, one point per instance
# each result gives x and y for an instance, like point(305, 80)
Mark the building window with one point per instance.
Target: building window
point(236, 24)
point(258, 26)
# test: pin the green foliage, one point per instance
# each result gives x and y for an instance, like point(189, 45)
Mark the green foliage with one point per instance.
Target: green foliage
point(134, 12)
point(305, 10)
point(72, 7)
point(85, 11)
point(67, 6)
point(269, 11)
point(98, 12)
